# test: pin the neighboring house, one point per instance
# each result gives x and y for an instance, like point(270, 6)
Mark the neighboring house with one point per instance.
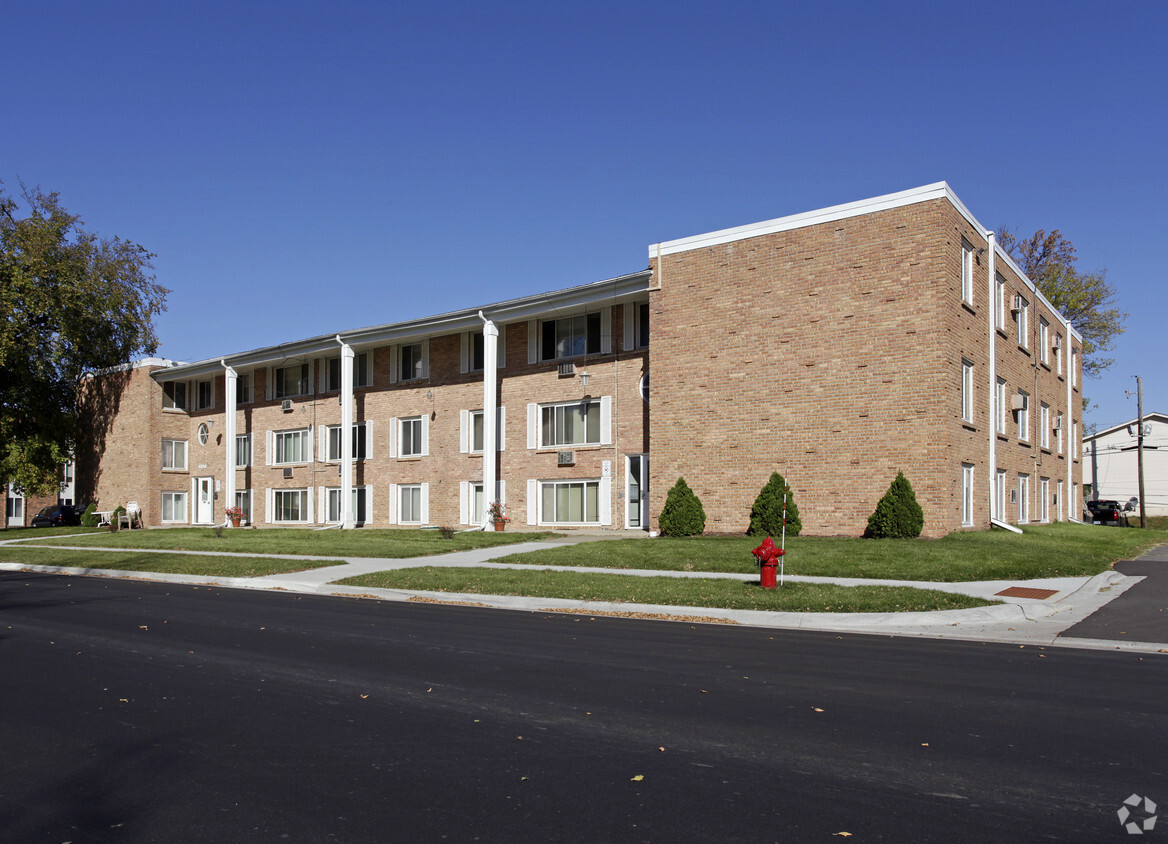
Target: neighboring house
point(836, 347)
point(19, 508)
point(1112, 465)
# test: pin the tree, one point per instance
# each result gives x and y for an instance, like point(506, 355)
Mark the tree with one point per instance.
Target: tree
point(72, 302)
point(897, 515)
point(683, 514)
point(1084, 298)
point(766, 516)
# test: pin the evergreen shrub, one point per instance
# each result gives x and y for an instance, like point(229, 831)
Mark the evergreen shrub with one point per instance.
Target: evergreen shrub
point(766, 516)
point(683, 514)
point(898, 515)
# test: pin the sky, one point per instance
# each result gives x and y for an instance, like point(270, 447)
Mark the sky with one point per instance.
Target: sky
point(303, 168)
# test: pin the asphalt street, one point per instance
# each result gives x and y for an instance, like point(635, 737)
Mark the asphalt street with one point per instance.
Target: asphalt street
point(138, 711)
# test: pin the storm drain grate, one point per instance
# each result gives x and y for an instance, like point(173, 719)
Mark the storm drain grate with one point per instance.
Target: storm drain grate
point(1027, 592)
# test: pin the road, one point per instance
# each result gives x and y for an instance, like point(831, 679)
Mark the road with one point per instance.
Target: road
point(136, 711)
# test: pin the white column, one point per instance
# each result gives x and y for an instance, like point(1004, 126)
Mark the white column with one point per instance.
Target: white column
point(230, 379)
point(1074, 513)
point(490, 410)
point(992, 427)
point(347, 516)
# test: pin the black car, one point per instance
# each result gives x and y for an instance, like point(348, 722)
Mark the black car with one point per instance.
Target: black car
point(56, 515)
point(1105, 512)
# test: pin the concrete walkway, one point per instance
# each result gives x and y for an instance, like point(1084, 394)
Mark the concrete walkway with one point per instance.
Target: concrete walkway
point(1022, 620)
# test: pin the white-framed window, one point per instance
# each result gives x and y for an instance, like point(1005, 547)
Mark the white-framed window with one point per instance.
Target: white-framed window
point(242, 451)
point(288, 447)
point(1075, 439)
point(362, 504)
point(1044, 340)
point(1073, 365)
point(573, 502)
point(644, 387)
point(1044, 499)
point(1075, 506)
point(573, 336)
point(473, 503)
point(361, 438)
point(174, 395)
point(410, 361)
point(636, 323)
point(1044, 425)
point(1058, 354)
point(174, 507)
point(174, 455)
point(966, 494)
point(243, 499)
point(1000, 495)
point(204, 394)
point(409, 504)
point(244, 388)
point(1023, 317)
point(409, 436)
point(472, 350)
point(966, 272)
point(1058, 500)
point(1023, 499)
point(1002, 305)
point(1003, 406)
point(290, 506)
point(966, 390)
point(586, 422)
point(362, 372)
point(1023, 415)
point(291, 381)
point(471, 431)
point(1058, 431)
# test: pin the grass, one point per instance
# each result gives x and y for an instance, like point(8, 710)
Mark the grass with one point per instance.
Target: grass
point(1057, 550)
point(672, 591)
point(366, 542)
point(26, 554)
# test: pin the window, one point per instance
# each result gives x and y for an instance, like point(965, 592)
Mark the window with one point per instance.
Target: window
point(1023, 415)
point(966, 272)
point(1023, 499)
point(1001, 308)
point(570, 337)
point(475, 352)
point(411, 362)
point(1000, 495)
point(967, 494)
point(1003, 408)
point(476, 431)
point(204, 433)
point(1044, 340)
point(409, 437)
point(477, 504)
point(642, 341)
point(174, 455)
point(174, 395)
point(359, 437)
point(967, 390)
point(1075, 439)
point(1058, 432)
point(1044, 425)
point(362, 372)
point(410, 504)
point(242, 451)
point(174, 507)
point(1044, 499)
point(1058, 500)
point(290, 505)
point(570, 502)
point(360, 509)
point(204, 395)
point(1058, 353)
point(291, 381)
point(1023, 317)
point(292, 446)
point(645, 388)
point(244, 388)
point(1073, 364)
point(570, 424)
point(243, 502)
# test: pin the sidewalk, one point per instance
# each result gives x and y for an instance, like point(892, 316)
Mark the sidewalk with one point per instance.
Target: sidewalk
point(1086, 609)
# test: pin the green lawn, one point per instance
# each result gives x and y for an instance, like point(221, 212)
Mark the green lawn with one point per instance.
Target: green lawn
point(673, 591)
point(33, 555)
point(1058, 550)
point(366, 542)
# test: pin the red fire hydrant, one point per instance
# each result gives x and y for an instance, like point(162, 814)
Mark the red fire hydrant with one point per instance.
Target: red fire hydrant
point(768, 561)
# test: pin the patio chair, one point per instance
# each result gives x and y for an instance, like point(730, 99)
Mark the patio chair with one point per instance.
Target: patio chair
point(132, 517)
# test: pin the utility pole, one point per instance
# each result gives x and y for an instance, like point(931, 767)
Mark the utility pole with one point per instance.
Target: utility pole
point(1140, 445)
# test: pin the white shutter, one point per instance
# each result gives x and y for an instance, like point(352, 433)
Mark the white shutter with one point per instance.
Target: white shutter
point(324, 442)
point(464, 499)
point(629, 322)
point(426, 358)
point(394, 367)
point(501, 352)
point(269, 448)
point(369, 452)
point(311, 380)
point(393, 427)
point(269, 504)
point(393, 504)
point(463, 353)
point(310, 509)
point(533, 426)
point(605, 330)
point(368, 504)
point(532, 501)
point(310, 443)
point(606, 420)
point(321, 503)
point(425, 502)
point(533, 341)
point(501, 491)
point(425, 434)
point(501, 427)
point(463, 431)
point(605, 503)
point(270, 384)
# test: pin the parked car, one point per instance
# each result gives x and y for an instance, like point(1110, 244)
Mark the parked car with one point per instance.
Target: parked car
point(1105, 512)
point(56, 515)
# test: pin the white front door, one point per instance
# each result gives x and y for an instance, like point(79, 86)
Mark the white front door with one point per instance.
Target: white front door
point(204, 501)
point(636, 492)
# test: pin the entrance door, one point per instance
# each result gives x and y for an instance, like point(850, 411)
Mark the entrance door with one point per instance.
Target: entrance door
point(204, 501)
point(14, 508)
point(637, 491)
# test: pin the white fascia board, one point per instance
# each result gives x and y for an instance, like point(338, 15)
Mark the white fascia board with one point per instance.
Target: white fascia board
point(1148, 417)
point(631, 287)
point(142, 363)
point(1033, 288)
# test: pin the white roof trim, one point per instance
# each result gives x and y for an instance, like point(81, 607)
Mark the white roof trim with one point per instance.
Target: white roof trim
point(1148, 417)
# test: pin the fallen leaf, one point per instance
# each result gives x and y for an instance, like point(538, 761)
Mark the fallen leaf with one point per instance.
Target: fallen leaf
point(662, 749)
point(844, 834)
point(123, 700)
point(817, 709)
point(364, 697)
point(637, 778)
point(143, 627)
point(924, 744)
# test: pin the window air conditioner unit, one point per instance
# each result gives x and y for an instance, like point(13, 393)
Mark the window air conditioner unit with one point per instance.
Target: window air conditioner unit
point(1058, 423)
point(1017, 305)
point(286, 405)
point(1018, 402)
point(567, 370)
point(565, 458)
point(1058, 342)
point(287, 472)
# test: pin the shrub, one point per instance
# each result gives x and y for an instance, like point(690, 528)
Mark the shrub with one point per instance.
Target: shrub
point(898, 515)
point(89, 517)
point(115, 517)
point(683, 514)
point(766, 516)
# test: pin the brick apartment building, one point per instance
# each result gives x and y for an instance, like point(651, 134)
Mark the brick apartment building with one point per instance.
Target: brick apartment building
point(836, 347)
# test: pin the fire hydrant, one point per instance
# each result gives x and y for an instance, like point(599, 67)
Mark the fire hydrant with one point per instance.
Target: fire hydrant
point(768, 561)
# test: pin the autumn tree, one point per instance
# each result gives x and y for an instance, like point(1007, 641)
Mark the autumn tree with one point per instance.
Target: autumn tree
point(1084, 298)
point(71, 302)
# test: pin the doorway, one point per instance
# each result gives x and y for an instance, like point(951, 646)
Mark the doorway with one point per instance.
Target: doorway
point(636, 492)
point(204, 501)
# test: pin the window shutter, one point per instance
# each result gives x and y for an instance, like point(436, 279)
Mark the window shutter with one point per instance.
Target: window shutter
point(269, 384)
point(368, 446)
point(606, 331)
point(425, 434)
point(310, 443)
point(533, 426)
point(324, 437)
point(425, 503)
point(269, 504)
point(321, 504)
point(394, 367)
point(501, 428)
point(368, 504)
point(464, 499)
point(393, 429)
point(393, 504)
point(310, 503)
point(463, 431)
point(501, 352)
point(501, 491)
point(605, 502)
point(463, 355)
point(532, 501)
point(532, 341)
point(630, 317)
point(269, 448)
point(606, 420)
point(426, 358)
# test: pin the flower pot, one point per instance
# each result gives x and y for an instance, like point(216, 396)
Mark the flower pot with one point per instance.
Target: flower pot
point(235, 520)
point(500, 524)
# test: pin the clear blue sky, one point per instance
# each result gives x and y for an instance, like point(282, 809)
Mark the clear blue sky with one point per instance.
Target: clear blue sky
point(308, 167)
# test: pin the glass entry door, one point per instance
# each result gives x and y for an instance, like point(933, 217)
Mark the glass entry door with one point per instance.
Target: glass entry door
point(637, 491)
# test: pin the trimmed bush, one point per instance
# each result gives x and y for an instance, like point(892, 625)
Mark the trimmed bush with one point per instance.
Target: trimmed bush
point(115, 517)
point(683, 514)
point(89, 517)
point(898, 515)
point(766, 516)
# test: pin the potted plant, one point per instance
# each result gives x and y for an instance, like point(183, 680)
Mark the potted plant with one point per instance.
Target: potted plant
point(235, 514)
point(497, 513)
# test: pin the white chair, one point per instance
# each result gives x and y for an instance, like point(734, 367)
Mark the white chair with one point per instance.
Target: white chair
point(132, 517)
